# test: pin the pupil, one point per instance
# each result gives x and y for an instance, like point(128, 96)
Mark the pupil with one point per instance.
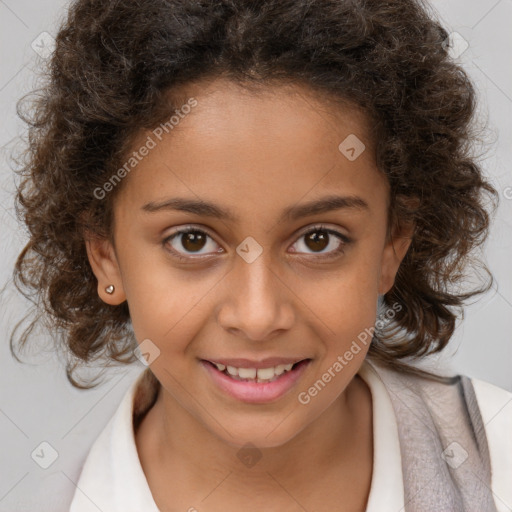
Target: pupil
point(189, 239)
point(318, 239)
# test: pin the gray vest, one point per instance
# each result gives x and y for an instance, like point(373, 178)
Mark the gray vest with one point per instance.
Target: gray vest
point(445, 457)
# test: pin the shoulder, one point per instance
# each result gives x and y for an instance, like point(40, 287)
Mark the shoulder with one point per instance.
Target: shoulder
point(495, 403)
point(456, 403)
point(495, 406)
point(111, 477)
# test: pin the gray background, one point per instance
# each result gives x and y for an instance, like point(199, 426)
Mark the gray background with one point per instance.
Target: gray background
point(37, 404)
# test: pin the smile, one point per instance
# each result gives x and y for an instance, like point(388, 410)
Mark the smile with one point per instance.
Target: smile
point(255, 385)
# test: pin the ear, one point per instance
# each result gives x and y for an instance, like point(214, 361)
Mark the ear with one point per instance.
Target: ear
point(393, 254)
point(103, 260)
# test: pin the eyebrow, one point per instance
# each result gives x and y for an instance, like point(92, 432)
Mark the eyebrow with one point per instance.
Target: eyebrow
point(207, 209)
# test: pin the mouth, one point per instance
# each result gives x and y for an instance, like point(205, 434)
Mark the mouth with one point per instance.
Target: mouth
point(247, 383)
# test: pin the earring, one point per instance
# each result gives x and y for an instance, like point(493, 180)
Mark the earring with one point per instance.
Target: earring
point(110, 289)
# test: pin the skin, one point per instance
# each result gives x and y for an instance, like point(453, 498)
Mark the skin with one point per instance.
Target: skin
point(255, 154)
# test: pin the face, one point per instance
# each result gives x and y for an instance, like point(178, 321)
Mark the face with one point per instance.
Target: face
point(283, 260)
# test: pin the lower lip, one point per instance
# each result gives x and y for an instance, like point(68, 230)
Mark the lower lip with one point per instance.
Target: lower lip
point(254, 392)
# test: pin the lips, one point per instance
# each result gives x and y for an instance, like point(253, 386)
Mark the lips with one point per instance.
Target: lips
point(256, 390)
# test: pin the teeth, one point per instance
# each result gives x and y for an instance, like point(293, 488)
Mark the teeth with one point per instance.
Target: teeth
point(261, 374)
point(249, 373)
point(264, 373)
point(232, 370)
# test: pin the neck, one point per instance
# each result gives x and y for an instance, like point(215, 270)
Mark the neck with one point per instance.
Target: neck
point(173, 441)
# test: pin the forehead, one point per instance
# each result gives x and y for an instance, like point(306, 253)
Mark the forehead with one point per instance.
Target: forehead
point(252, 149)
point(272, 112)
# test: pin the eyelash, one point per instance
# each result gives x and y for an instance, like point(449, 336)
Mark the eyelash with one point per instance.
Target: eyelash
point(333, 254)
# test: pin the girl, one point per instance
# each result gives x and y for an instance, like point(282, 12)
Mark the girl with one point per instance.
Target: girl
point(271, 205)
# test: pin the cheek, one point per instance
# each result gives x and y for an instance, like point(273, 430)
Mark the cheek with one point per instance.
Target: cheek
point(170, 318)
point(165, 303)
point(344, 302)
point(167, 312)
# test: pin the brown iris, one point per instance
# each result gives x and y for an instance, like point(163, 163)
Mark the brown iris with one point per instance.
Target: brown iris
point(317, 240)
point(193, 241)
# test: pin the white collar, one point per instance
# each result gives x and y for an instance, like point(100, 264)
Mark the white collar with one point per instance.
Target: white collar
point(387, 487)
point(112, 478)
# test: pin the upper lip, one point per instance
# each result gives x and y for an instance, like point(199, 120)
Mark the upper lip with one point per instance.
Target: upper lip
point(263, 363)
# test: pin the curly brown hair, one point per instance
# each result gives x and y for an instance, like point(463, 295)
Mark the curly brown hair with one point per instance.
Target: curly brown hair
point(110, 76)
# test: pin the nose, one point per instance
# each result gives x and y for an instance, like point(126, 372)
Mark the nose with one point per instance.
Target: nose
point(257, 303)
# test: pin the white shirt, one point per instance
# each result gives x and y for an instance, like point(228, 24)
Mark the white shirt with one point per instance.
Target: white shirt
point(112, 478)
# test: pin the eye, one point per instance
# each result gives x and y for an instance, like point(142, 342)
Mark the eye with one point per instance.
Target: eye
point(323, 241)
point(192, 243)
point(192, 240)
